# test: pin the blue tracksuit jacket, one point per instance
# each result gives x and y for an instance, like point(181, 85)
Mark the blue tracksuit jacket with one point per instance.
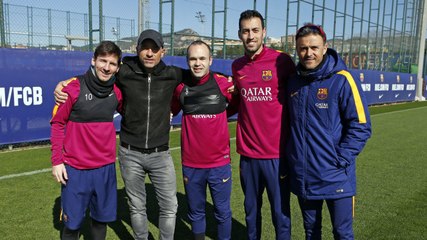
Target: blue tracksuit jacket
point(329, 126)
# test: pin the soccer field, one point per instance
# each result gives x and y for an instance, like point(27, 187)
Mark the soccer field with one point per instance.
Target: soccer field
point(391, 201)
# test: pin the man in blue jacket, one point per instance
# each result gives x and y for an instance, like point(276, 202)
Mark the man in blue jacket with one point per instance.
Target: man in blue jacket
point(329, 126)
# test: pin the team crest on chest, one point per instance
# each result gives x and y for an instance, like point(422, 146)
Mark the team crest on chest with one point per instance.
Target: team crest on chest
point(267, 75)
point(322, 93)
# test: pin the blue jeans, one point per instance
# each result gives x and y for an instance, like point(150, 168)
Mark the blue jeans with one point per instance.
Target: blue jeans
point(161, 171)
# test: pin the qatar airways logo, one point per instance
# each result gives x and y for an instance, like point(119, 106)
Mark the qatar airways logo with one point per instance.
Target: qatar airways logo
point(198, 116)
point(257, 94)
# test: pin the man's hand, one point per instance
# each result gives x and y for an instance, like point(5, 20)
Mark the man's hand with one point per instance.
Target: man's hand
point(60, 173)
point(60, 97)
point(231, 89)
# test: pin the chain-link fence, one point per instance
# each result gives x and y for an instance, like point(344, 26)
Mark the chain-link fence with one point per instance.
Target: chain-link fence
point(32, 27)
point(369, 34)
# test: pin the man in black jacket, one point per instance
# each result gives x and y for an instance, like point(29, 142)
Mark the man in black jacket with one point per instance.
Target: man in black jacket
point(147, 85)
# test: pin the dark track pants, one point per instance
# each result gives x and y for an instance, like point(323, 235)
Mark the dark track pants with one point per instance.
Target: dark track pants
point(341, 211)
point(218, 179)
point(255, 176)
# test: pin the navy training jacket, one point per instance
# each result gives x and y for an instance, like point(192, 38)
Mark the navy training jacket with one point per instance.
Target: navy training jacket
point(329, 126)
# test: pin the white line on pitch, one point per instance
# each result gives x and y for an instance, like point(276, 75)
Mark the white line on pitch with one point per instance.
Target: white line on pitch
point(49, 169)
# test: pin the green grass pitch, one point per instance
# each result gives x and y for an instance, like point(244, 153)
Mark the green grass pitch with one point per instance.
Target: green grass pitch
point(391, 201)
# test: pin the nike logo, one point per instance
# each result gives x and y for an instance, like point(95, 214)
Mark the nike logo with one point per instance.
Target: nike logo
point(294, 93)
point(380, 96)
point(396, 95)
point(224, 180)
point(283, 176)
point(241, 77)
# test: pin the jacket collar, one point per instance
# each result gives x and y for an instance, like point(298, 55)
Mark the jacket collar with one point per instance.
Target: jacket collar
point(330, 65)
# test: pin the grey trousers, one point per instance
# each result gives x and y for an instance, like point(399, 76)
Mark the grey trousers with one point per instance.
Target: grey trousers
point(160, 169)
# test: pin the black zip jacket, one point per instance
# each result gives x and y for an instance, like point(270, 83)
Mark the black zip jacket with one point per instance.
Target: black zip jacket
point(146, 102)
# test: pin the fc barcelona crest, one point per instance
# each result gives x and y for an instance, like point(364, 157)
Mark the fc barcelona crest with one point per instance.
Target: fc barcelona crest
point(322, 93)
point(267, 75)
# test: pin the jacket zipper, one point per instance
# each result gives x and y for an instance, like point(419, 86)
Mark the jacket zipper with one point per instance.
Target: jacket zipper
point(148, 109)
point(304, 118)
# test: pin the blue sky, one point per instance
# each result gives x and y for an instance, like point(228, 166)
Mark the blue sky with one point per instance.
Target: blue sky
point(184, 14)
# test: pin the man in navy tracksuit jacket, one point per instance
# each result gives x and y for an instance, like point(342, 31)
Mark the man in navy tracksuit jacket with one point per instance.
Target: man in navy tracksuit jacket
point(329, 126)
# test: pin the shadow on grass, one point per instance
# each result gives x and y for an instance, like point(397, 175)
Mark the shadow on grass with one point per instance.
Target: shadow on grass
point(183, 225)
point(182, 229)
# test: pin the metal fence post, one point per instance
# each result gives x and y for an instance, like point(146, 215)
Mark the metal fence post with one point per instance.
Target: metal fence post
point(2, 32)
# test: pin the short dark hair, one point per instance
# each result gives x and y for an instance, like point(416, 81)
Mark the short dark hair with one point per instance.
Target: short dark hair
point(248, 14)
point(310, 28)
point(199, 42)
point(107, 48)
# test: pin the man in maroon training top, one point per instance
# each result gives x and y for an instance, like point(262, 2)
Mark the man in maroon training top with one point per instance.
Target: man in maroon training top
point(260, 76)
point(84, 145)
point(205, 141)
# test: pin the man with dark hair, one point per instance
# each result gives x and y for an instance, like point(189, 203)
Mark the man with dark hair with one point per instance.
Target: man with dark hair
point(147, 84)
point(84, 145)
point(205, 141)
point(329, 126)
point(260, 78)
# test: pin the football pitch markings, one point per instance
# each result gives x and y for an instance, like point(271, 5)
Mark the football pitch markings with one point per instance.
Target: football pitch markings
point(45, 170)
point(399, 111)
point(50, 169)
point(171, 149)
point(25, 173)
